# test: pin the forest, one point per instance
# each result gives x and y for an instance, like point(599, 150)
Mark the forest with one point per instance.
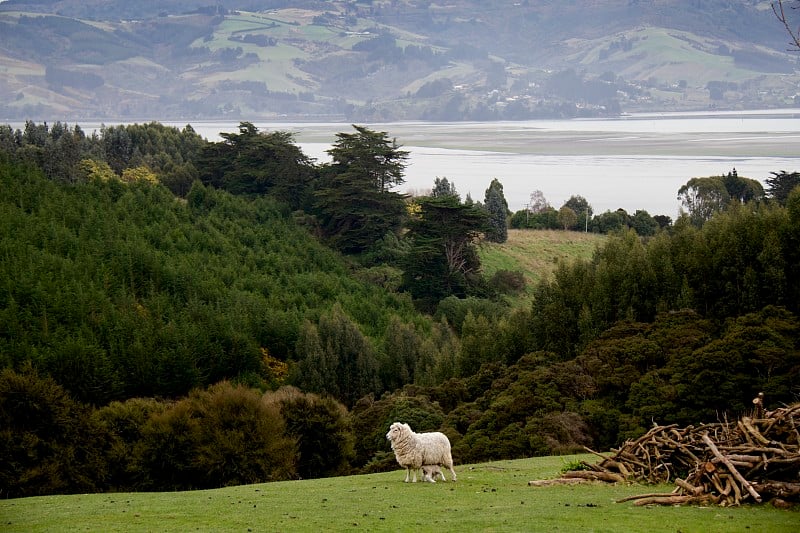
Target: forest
point(180, 314)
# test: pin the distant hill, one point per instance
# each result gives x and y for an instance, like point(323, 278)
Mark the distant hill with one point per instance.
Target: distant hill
point(388, 59)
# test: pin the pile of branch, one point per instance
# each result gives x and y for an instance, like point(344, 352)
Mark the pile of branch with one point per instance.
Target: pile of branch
point(752, 460)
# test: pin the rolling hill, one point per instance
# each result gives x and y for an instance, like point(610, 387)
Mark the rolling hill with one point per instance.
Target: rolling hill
point(388, 60)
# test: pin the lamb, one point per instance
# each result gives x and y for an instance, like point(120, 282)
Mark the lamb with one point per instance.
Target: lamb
point(413, 450)
point(431, 472)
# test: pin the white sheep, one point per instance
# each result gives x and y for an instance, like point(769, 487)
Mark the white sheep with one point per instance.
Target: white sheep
point(413, 450)
point(431, 472)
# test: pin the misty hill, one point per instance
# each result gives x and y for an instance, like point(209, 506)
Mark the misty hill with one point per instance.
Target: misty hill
point(388, 60)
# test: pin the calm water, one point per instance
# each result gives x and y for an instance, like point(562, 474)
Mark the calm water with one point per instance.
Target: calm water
point(634, 162)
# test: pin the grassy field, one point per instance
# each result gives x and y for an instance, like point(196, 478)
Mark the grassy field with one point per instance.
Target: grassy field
point(487, 497)
point(537, 253)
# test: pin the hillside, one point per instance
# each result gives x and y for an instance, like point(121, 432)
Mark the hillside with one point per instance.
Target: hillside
point(398, 60)
point(537, 253)
point(142, 329)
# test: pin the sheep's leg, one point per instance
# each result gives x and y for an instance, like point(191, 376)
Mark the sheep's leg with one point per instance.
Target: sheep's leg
point(415, 475)
point(407, 473)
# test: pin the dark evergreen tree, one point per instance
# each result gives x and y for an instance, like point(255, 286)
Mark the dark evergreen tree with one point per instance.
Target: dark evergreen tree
point(443, 187)
point(643, 224)
point(781, 184)
point(583, 211)
point(497, 207)
point(354, 201)
point(443, 260)
point(742, 189)
point(337, 359)
point(253, 162)
point(117, 147)
point(607, 222)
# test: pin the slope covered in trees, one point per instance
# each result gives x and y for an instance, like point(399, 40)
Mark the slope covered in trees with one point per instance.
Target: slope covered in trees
point(143, 333)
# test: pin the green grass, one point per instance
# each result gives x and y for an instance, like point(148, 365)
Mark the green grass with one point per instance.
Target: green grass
point(668, 54)
point(537, 253)
point(487, 497)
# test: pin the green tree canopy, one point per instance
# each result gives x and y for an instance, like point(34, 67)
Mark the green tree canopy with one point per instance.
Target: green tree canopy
point(567, 217)
point(742, 189)
point(781, 184)
point(336, 358)
point(443, 260)
point(443, 187)
point(583, 211)
point(354, 201)
point(702, 197)
point(497, 207)
point(253, 162)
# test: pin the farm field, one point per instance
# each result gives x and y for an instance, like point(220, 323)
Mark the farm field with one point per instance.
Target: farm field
point(487, 497)
point(537, 253)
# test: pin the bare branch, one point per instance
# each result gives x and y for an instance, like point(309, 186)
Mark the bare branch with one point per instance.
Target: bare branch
point(780, 13)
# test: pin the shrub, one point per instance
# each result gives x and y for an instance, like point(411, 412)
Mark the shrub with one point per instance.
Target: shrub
point(125, 422)
point(507, 281)
point(322, 428)
point(48, 441)
point(558, 433)
point(371, 420)
point(222, 436)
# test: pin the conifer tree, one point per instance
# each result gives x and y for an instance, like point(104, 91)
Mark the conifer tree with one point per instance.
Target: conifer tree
point(254, 162)
point(497, 207)
point(443, 187)
point(355, 202)
point(781, 184)
point(443, 260)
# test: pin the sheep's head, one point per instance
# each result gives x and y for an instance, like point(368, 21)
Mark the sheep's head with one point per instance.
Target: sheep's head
point(396, 430)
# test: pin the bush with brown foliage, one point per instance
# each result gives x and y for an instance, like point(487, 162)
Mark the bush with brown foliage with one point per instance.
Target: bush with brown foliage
point(49, 443)
point(321, 427)
point(225, 435)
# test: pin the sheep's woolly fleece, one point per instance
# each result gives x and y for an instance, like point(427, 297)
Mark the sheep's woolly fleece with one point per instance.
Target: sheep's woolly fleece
point(413, 450)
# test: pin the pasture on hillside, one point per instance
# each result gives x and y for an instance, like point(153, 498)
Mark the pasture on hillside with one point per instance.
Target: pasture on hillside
point(487, 497)
point(537, 253)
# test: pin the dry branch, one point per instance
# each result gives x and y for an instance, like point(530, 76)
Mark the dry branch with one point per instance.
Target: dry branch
point(595, 476)
point(711, 446)
point(556, 481)
point(726, 463)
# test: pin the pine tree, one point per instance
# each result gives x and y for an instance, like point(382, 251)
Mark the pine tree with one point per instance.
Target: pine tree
point(443, 187)
point(253, 162)
point(497, 207)
point(355, 202)
point(443, 260)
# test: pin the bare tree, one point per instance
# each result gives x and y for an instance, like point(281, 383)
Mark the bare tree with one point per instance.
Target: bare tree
point(794, 32)
point(538, 202)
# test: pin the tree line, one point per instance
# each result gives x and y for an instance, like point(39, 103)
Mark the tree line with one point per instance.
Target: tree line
point(155, 285)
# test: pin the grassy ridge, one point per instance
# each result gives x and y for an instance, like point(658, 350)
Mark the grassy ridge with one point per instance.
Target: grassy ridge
point(487, 497)
point(537, 253)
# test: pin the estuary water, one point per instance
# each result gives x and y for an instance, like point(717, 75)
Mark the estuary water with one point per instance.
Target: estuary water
point(632, 162)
